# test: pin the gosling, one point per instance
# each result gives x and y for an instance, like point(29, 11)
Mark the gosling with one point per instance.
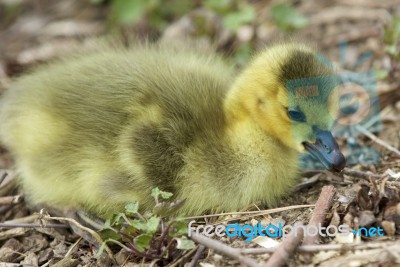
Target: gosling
point(100, 130)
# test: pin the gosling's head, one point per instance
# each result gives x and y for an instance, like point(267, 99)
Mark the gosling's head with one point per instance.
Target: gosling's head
point(290, 93)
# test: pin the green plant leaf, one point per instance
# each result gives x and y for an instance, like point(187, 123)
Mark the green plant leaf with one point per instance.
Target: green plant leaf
point(167, 208)
point(392, 32)
point(152, 224)
point(96, 2)
point(107, 224)
point(380, 74)
point(138, 224)
point(129, 11)
point(166, 195)
point(287, 18)
point(132, 208)
point(184, 243)
point(116, 219)
point(219, 6)
point(243, 54)
point(101, 249)
point(234, 20)
point(142, 242)
point(156, 192)
point(392, 36)
point(109, 234)
point(179, 228)
point(128, 230)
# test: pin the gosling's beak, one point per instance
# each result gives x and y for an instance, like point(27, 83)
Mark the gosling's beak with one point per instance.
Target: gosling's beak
point(327, 151)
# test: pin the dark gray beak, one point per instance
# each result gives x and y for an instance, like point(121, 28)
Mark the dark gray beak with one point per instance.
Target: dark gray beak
point(326, 150)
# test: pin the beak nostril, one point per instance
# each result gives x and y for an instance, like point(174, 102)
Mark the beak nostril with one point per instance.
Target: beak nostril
point(327, 149)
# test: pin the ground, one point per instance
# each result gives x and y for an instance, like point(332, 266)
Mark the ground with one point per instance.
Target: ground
point(359, 38)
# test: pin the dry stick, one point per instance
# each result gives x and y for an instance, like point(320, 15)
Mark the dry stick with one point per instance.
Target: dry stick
point(326, 247)
point(392, 252)
point(360, 174)
point(340, 13)
point(183, 257)
point(152, 264)
point(265, 212)
point(377, 139)
point(6, 188)
point(32, 225)
point(351, 36)
point(253, 213)
point(10, 200)
point(367, 4)
point(322, 206)
point(86, 229)
point(197, 256)
point(72, 248)
point(27, 219)
point(287, 247)
point(307, 183)
point(219, 247)
point(9, 264)
point(3, 176)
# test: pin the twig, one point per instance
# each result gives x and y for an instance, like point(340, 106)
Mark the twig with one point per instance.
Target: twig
point(129, 249)
point(287, 248)
point(27, 219)
point(224, 249)
point(163, 235)
point(338, 13)
point(368, 257)
point(360, 174)
point(309, 173)
point(32, 225)
point(367, 3)
point(253, 213)
point(393, 253)
point(322, 206)
point(10, 200)
point(326, 247)
point(83, 228)
point(166, 250)
point(197, 256)
point(377, 139)
point(185, 256)
point(72, 248)
point(8, 186)
point(152, 263)
point(351, 36)
point(9, 264)
point(307, 183)
point(262, 213)
point(87, 219)
point(3, 176)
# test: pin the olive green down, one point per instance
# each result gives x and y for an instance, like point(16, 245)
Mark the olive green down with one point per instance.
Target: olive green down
point(98, 130)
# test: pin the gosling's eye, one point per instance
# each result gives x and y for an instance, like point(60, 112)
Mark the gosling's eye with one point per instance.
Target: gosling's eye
point(296, 115)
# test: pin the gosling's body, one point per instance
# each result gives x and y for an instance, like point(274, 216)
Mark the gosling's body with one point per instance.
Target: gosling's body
point(101, 130)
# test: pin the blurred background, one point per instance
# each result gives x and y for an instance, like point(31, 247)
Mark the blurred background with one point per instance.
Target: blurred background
point(35, 30)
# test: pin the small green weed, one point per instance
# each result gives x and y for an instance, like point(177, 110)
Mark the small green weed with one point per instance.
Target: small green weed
point(155, 235)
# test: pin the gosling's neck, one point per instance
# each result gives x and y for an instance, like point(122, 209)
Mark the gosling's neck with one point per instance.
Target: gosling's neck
point(256, 100)
point(244, 100)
